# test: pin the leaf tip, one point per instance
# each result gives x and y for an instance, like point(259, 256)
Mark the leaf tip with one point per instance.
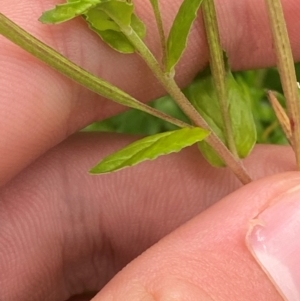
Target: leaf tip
point(44, 18)
point(94, 171)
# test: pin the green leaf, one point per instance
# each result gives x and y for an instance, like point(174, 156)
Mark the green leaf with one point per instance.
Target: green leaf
point(179, 32)
point(210, 155)
point(243, 124)
point(108, 18)
point(150, 148)
point(108, 23)
point(202, 95)
point(68, 11)
point(118, 10)
point(138, 26)
point(100, 20)
point(116, 40)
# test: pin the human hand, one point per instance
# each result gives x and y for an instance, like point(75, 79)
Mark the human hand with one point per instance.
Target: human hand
point(64, 232)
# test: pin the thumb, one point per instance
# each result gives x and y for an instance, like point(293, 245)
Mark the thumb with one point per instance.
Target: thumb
point(242, 248)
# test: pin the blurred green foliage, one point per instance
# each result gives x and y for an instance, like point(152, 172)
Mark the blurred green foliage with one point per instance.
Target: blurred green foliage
point(256, 81)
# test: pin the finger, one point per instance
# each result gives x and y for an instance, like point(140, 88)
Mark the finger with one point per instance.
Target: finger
point(39, 108)
point(207, 258)
point(64, 232)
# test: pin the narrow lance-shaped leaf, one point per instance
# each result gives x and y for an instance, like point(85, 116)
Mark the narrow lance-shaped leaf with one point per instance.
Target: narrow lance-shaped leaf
point(180, 30)
point(150, 148)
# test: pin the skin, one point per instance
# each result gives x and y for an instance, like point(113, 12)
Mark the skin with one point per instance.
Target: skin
point(65, 233)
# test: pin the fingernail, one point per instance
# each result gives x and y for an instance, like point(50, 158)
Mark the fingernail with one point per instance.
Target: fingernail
point(274, 240)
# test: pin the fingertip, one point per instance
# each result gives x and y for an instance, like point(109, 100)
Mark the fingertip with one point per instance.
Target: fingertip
point(207, 258)
point(168, 289)
point(272, 239)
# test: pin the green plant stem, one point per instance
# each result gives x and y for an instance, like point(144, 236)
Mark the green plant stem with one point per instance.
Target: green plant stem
point(160, 28)
point(217, 67)
point(58, 62)
point(281, 116)
point(172, 88)
point(285, 63)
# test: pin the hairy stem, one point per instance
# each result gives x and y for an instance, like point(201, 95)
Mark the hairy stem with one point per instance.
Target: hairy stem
point(285, 63)
point(281, 116)
point(160, 28)
point(58, 62)
point(217, 67)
